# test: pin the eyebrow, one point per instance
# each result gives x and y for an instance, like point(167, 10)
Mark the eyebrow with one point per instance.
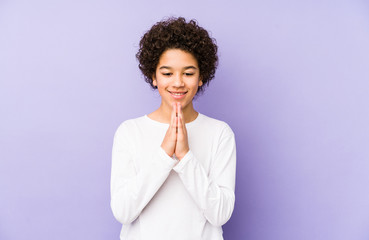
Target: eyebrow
point(188, 67)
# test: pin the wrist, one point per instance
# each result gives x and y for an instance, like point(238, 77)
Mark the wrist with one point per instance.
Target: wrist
point(170, 154)
point(182, 155)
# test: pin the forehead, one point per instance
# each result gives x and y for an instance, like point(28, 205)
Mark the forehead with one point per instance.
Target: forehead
point(177, 58)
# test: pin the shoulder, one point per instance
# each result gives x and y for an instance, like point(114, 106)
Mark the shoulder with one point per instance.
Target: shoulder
point(129, 125)
point(217, 125)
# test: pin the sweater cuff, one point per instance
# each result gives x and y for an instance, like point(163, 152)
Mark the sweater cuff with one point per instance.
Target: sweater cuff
point(183, 162)
point(166, 158)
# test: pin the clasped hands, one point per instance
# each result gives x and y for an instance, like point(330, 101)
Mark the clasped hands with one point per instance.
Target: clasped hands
point(175, 140)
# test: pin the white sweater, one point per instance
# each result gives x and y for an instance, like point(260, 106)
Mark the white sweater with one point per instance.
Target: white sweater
point(157, 197)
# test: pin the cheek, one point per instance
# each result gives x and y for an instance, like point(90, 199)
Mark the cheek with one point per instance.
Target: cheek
point(161, 86)
point(196, 83)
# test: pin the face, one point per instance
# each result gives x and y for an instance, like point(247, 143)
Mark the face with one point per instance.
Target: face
point(177, 77)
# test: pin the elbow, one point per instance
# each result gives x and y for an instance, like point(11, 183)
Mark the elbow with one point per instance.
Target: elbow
point(221, 212)
point(122, 213)
point(220, 220)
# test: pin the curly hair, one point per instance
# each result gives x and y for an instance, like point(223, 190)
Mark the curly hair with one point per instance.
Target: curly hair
point(176, 33)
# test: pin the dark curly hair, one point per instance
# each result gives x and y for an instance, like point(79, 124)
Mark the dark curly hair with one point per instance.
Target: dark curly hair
point(176, 33)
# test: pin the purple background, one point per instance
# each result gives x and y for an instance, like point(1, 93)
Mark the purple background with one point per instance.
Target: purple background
point(293, 83)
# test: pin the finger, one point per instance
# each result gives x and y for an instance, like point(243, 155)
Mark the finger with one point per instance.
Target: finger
point(183, 123)
point(180, 128)
point(175, 108)
point(173, 115)
point(178, 105)
point(181, 113)
point(184, 129)
point(172, 125)
point(179, 110)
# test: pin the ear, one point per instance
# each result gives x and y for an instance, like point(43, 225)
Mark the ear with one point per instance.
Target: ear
point(154, 82)
point(200, 82)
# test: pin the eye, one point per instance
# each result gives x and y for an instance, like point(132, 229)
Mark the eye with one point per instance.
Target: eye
point(189, 74)
point(167, 74)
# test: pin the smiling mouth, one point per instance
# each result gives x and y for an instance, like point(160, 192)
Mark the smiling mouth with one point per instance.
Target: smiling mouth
point(177, 93)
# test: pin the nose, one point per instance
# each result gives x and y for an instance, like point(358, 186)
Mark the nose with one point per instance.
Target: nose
point(177, 80)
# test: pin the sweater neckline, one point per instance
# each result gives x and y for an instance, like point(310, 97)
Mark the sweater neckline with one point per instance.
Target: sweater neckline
point(199, 116)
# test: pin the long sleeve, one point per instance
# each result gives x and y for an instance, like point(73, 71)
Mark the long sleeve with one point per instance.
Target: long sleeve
point(132, 187)
point(213, 192)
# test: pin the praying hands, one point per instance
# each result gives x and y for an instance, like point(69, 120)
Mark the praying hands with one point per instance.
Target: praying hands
point(175, 140)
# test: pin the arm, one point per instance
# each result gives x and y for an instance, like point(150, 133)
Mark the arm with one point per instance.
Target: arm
point(132, 188)
point(213, 192)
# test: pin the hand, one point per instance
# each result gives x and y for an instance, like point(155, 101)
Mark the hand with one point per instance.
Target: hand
point(170, 138)
point(175, 139)
point(181, 147)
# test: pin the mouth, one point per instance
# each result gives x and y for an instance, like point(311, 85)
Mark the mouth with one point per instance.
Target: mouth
point(177, 95)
